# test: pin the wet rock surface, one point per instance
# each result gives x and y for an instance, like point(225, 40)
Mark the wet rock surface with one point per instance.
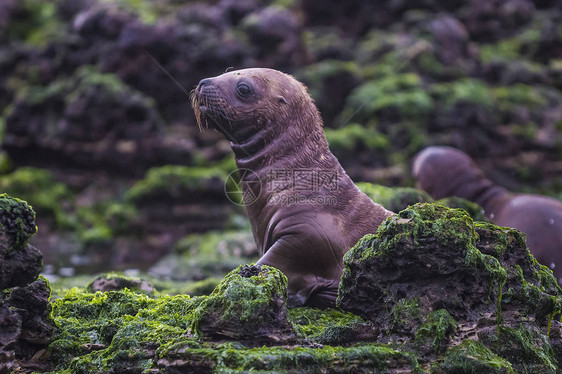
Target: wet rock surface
point(25, 322)
point(432, 291)
point(250, 305)
point(431, 278)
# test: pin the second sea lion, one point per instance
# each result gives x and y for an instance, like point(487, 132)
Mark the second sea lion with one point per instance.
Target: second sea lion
point(304, 209)
point(445, 171)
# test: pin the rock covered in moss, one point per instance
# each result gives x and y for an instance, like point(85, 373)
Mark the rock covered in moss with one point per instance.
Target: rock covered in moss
point(435, 280)
point(331, 326)
point(68, 119)
point(20, 263)
point(426, 252)
point(25, 320)
point(530, 287)
point(249, 305)
point(126, 332)
point(17, 220)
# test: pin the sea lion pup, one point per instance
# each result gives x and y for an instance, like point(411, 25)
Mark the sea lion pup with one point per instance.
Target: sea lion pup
point(445, 171)
point(308, 212)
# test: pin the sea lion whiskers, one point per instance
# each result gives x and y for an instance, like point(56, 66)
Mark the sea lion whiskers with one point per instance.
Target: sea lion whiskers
point(195, 105)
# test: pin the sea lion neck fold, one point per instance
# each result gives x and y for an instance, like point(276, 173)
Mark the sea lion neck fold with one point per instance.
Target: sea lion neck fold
point(304, 210)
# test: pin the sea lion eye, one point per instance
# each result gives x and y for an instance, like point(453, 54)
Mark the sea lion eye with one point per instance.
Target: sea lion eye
point(243, 89)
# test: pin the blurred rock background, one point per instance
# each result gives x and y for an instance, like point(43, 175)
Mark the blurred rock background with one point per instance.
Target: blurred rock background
point(105, 147)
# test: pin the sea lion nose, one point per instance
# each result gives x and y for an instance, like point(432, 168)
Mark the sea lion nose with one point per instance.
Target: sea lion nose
point(202, 83)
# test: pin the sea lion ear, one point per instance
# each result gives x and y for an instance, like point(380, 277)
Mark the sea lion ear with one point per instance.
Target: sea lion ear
point(281, 100)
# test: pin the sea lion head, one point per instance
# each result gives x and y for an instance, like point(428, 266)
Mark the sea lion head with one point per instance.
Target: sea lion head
point(444, 171)
point(245, 102)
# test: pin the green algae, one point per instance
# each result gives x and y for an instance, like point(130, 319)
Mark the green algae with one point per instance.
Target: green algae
point(72, 88)
point(324, 326)
point(174, 182)
point(417, 229)
point(97, 224)
point(402, 93)
point(348, 138)
point(438, 327)
point(37, 25)
point(471, 357)
point(245, 304)
point(85, 320)
point(525, 347)
point(405, 315)
point(520, 94)
point(106, 329)
point(360, 358)
point(17, 219)
point(123, 330)
point(462, 90)
point(429, 220)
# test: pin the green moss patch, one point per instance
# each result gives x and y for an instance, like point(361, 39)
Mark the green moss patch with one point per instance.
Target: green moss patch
point(326, 326)
point(17, 219)
point(472, 357)
point(436, 330)
point(175, 182)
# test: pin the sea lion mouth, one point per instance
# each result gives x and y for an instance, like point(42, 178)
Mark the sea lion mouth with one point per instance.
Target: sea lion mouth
point(209, 107)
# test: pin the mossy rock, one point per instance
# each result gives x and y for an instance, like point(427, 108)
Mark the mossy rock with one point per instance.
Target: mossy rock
point(329, 82)
point(37, 23)
point(17, 221)
point(330, 326)
point(20, 263)
point(397, 96)
point(525, 347)
point(437, 330)
point(346, 141)
point(530, 287)
point(74, 109)
point(250, 304)
point(466, 90)
point(116, 329)
point(177, 183)
point(120, 331)
point(426, 251)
